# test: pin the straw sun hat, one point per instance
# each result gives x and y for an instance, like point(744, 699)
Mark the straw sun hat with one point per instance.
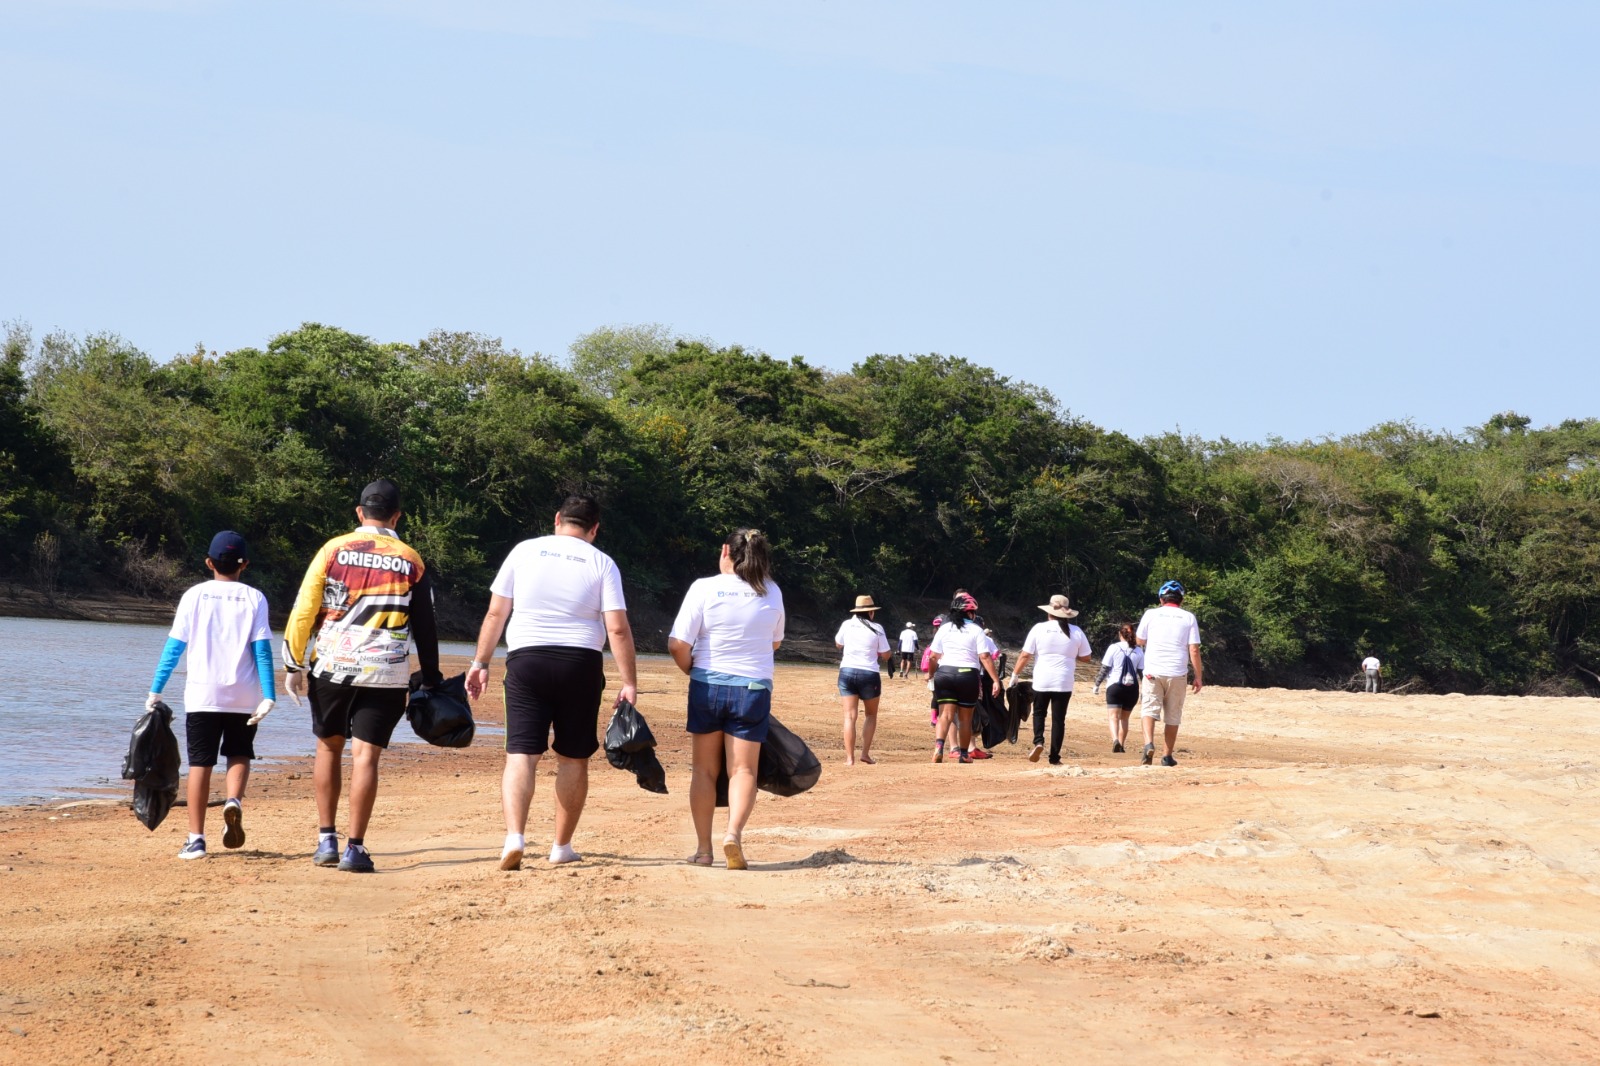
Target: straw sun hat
point(863, 605)
point(1057, 608)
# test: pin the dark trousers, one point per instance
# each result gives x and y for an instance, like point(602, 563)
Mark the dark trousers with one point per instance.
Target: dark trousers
point(1057, 702)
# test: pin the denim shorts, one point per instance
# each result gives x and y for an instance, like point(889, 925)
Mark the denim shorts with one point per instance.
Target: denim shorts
point(732, 709)
point(868, 684)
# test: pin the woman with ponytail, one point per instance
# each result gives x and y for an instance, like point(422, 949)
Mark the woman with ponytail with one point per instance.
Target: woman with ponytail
point(960, 657)
point(723, 638)
point(1057, 646)
point(1124, 661)
point(865, 645)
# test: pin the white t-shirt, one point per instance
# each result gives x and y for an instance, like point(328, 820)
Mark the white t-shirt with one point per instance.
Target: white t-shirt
point(730, 625)
point(560, 588)
point(1055, 653)
point(908, 640)
point(862, 642)
point(1113, 662)
point(960, 647)
point(219, 620)
point(1168, 632)
point(1371, 663)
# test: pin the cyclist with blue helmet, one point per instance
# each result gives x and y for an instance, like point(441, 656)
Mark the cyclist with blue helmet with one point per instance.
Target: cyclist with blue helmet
point(1170, 637)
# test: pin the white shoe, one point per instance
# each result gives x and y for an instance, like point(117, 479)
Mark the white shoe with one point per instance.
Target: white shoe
point(195, 849)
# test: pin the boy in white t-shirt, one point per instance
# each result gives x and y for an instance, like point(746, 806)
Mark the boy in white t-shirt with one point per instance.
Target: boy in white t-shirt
point(222, 625)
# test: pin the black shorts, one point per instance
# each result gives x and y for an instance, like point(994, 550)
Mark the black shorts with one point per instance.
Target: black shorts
point(907, 658)
point(556, 688)
point(209, 731)
point(957, 684)
point(368, 714)
point(1123, 697)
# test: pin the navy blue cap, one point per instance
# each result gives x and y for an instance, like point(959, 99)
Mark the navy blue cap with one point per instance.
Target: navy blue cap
point(228, 544)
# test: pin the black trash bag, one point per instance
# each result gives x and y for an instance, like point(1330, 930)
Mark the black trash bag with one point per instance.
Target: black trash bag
point(152, 765)
point(631, 746)
point(441, 715)
point(787, 767)
point(628, 731)
point(1019, 704)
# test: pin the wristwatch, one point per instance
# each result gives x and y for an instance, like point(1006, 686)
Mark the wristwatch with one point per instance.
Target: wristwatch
point(476, 665)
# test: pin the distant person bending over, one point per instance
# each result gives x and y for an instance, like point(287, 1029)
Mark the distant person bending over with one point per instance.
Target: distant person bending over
point(558, 599)
point(865, 645)
point(222, 626)
point(1374, 671)
point(960, 655)
point(1058, 647)
point(908, 650)
point(1170, 637)
point(723, 638)
point(1125, 662)
point(367, 598)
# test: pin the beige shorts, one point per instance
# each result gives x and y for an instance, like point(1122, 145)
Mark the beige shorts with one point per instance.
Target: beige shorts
point(1162, 697)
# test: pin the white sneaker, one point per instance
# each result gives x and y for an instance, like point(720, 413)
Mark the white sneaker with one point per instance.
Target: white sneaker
point(195, 849)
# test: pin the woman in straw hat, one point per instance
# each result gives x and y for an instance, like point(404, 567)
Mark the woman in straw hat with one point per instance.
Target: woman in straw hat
point(865, 645)
point(1056, 646)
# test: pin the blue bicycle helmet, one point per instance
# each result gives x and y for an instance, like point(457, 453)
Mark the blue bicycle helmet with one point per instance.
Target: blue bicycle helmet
point(1171, 586)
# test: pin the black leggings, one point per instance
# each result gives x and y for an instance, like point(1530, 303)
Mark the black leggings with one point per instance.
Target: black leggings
point(1057, 702)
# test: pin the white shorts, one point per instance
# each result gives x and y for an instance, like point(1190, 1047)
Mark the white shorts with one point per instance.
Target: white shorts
point(1162, 697)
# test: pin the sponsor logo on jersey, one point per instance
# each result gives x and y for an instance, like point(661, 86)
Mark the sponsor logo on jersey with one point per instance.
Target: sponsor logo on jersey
point(374, 561)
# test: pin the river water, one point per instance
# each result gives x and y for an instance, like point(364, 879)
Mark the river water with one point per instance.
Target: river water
point(75, 691)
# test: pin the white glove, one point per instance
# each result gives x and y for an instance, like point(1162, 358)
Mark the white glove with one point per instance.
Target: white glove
point(151, 700)
point(263, 709)
point(296, 683)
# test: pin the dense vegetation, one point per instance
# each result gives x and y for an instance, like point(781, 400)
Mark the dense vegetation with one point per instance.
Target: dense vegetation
point(1469, 562)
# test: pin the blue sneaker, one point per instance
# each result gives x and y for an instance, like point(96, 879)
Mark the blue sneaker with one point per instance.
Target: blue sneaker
point(195, 849)
point(327, 852)
point(356, 860)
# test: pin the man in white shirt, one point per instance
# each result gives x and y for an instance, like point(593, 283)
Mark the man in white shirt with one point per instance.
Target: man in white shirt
point(1170, 637)
point(908, 650)
point(1374, 670)
point(562, 598)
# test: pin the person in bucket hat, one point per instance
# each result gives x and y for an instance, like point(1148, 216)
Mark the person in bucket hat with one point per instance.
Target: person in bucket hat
point(1056, 647)
point(865, 646)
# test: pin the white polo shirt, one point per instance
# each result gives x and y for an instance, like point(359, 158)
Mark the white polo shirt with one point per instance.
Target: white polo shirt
point(560, 588)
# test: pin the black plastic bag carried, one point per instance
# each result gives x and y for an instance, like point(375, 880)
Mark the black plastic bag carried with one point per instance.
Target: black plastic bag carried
point(152, 765)
point(1019, 704)
point(441, 715)
point(631, 746)
point(787, 767)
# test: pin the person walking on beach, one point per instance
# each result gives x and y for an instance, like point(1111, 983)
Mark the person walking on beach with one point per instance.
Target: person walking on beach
point(1124, 661)
point(558, 599)
point(1374, 671)
point(1056, 646)
point(960, 657)
point(865, 645)
point(1170, 637)
point(366, 600)
point(221, 624)
point(908, 650)
point(723, 638)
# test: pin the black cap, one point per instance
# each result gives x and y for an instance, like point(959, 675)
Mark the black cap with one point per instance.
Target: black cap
point(382, 496)
point(228, 546)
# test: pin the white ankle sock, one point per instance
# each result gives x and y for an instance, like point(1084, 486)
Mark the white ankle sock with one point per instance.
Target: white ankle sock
point(563, 853)
point(514, 842)
point(196, 836)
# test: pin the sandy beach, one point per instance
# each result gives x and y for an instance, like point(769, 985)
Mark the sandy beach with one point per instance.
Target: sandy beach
point(1325, 878)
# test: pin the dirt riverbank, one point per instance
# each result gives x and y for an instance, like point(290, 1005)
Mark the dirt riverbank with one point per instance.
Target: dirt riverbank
point(1326, 878)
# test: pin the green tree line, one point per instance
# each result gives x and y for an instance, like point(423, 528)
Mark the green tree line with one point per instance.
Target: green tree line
point(1467, 561)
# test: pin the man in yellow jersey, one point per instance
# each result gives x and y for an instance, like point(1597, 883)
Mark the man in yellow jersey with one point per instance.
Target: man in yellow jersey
point(366, 599)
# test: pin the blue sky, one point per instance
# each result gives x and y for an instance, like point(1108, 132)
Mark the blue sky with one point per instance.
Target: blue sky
point(1237, 219)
